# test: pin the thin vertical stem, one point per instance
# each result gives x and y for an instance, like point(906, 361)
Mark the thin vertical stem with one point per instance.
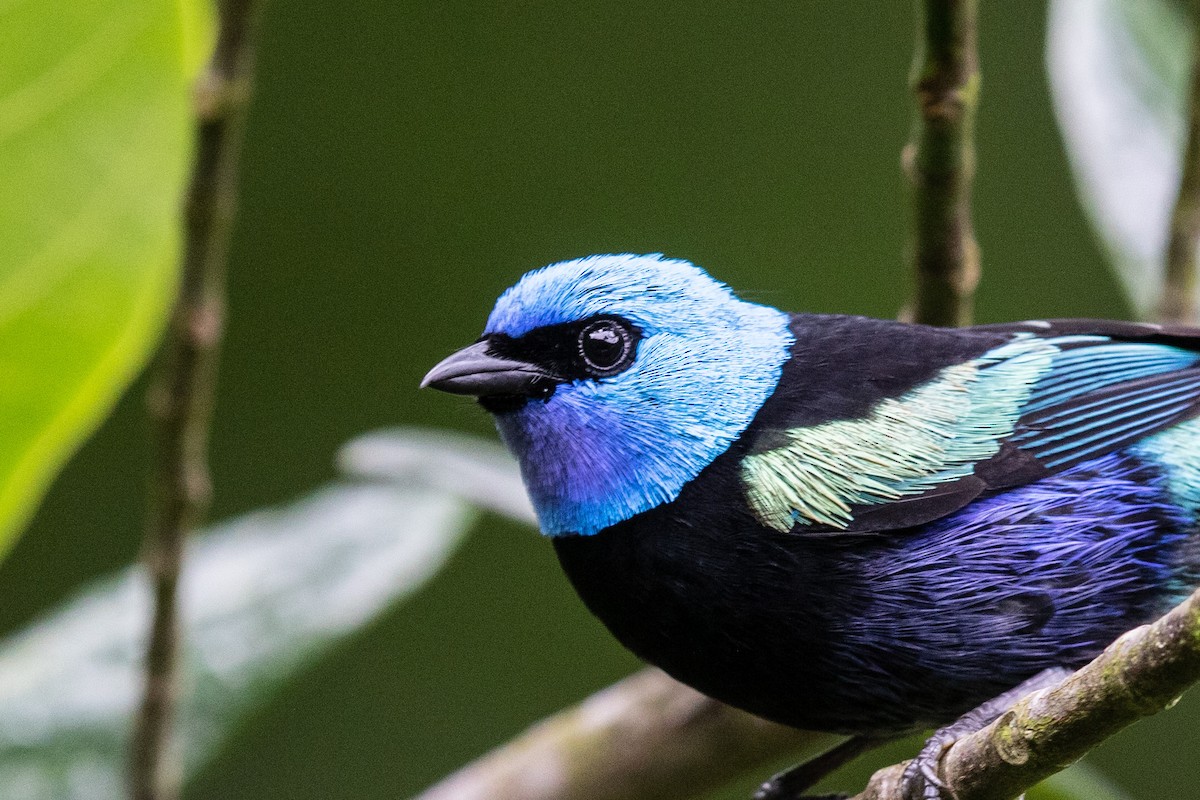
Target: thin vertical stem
point(940, 161)
point(1178, 301)
point(181, 397)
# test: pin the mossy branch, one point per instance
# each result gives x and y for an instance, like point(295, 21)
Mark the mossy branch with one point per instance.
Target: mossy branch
point(940, 162)
point(649, 737)
point(1140, 674)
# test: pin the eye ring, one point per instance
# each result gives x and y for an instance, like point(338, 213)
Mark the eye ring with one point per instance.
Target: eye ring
point(606, 347)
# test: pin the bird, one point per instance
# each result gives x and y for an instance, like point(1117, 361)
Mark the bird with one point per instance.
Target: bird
point(839, 523)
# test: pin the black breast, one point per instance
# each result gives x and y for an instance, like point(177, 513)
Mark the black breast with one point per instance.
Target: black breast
point(699, 589)
point(876, 633)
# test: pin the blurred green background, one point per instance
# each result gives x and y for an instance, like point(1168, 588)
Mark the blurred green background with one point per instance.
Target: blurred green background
point(408, 161)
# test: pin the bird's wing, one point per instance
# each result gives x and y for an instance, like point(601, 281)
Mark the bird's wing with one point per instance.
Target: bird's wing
point(1050, 396)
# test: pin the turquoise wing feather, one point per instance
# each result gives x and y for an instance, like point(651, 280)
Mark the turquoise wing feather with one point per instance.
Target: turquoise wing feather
point(1036, 405)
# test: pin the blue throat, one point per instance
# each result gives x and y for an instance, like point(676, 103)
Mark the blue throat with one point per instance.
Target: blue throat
point(600, 451)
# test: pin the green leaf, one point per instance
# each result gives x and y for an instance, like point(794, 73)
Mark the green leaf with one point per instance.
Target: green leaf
point(94, 144)
point(1118, 77)
point(1080, 781)
point(263, 596)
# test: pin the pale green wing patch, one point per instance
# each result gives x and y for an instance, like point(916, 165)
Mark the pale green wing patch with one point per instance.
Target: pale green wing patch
point(932, 435)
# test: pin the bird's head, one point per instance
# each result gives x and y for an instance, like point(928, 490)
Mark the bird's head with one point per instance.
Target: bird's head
point(615, 379)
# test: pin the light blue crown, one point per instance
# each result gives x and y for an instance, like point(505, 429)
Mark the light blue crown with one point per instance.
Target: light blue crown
point(598, 452)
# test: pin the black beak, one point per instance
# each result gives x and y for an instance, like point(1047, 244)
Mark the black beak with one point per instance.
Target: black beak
point(473, 371)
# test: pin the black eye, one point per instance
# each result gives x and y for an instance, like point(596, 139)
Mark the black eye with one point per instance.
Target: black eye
point(606, 347)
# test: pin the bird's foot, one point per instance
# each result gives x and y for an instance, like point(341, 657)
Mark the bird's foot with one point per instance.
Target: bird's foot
point(922, 777)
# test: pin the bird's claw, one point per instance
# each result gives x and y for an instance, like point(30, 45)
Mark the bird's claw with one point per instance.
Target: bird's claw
point(921, 779)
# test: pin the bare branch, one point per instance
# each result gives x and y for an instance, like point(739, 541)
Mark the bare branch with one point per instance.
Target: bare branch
point(1178, 302)
point(645, 738)
point(181, 398)
point(940, 162)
